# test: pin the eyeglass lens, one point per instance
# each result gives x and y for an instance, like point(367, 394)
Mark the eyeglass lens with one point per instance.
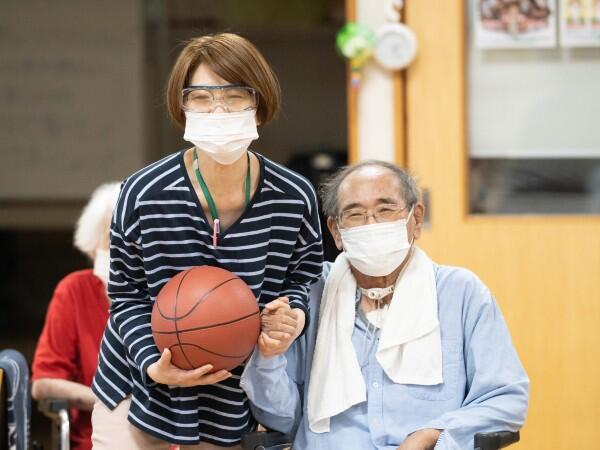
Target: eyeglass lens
point(233, 99)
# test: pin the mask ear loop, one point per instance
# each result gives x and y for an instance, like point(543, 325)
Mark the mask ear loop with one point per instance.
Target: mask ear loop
point(339, 227)
point(413, 236)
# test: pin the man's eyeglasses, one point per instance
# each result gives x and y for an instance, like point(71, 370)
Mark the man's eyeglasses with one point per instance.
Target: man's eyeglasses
point(356, 217)
point(231, 97)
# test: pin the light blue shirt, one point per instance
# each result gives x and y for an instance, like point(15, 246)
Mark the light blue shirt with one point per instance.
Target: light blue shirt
point(485, 387)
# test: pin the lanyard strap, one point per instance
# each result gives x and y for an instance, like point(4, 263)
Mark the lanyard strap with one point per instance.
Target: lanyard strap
point(211, 203)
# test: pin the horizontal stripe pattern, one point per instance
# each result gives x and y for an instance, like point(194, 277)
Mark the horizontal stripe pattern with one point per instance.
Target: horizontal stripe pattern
point(159, 230)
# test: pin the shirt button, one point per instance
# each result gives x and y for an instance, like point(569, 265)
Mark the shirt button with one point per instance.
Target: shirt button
point(375, 384)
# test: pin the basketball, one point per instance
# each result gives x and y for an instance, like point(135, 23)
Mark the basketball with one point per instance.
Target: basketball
point(206, 315)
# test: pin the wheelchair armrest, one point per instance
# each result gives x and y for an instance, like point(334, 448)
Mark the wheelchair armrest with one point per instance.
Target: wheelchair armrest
point(496, 440)
point(262, 440)
point(58, 411)
point(51, 407)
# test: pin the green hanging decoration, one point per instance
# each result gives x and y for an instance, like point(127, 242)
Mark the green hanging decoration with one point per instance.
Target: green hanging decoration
point(357, 43)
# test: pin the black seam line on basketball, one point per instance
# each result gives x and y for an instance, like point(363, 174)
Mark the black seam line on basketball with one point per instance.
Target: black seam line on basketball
point(175, 321)
point(207, 326)
point(198, 301)
point(208, 351)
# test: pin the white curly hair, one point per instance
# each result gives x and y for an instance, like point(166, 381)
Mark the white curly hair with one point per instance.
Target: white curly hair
point(95, 216)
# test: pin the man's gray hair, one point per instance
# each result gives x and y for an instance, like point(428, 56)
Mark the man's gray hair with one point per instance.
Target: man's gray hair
point(329, 190)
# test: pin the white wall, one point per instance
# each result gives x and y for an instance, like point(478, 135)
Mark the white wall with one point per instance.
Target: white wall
point(376, 134)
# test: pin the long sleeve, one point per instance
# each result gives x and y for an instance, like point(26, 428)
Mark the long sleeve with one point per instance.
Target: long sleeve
point(131, 303)
point(56, 351)
point(497, 385)
point(306, 263)
point(274, 386)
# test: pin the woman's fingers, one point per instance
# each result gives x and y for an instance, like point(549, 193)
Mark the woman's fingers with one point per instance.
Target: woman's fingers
point(279, 327)
point(281, 302)
point(159, 370)
point(201, 376)
point(279, 318)
point(202, 370)
point(278, 323)
point(165, 359)
point(216, 377)
point(165, 372)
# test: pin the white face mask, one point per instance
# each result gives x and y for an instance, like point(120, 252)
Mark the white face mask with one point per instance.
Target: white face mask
point(224, 136)
point(377, 249)
point(102, 265)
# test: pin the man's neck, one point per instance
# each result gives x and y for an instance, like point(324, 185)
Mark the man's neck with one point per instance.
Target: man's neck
point(368, 282)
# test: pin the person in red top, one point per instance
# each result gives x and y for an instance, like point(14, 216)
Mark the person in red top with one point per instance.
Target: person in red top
point(66, 355)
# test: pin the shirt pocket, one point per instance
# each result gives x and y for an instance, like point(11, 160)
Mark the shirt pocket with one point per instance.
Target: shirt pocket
point(450, 373)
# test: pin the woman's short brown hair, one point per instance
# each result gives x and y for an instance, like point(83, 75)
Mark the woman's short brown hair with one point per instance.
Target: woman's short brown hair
point(232, 58)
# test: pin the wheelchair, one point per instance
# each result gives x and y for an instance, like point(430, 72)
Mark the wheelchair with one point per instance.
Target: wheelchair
point(58, 412)
point(15, 413)
point(15, 407)
point(273, 440)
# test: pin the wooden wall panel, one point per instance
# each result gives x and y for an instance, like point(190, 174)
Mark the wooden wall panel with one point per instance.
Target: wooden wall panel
point(544, 271)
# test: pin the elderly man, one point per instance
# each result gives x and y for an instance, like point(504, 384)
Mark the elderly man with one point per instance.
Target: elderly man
point(405, 354)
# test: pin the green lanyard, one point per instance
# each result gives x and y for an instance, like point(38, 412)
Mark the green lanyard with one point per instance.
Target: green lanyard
point(211, 203)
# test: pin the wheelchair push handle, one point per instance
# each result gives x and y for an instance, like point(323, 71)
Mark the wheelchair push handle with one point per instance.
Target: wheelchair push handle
point(496, 440)
point(58, 411)
point(50, 406)
point(261, 440)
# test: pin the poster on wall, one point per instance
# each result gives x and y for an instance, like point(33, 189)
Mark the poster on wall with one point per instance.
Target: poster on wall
point(515, 23)
point(580, 23)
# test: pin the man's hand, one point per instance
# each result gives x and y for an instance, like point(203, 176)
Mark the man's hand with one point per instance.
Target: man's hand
point(421, 440)
point(280, 325)
point(163, 372)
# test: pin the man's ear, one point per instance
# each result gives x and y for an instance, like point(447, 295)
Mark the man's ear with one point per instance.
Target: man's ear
point(335, 232)
point(419, 215)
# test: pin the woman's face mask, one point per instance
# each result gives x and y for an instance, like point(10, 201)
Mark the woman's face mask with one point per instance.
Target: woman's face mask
point(225, 137)
point(377, 249)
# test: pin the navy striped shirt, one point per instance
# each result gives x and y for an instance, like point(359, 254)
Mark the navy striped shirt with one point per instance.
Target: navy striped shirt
point(158, 230)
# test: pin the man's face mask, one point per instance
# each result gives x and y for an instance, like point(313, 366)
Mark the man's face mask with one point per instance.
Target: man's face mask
point(377, 249)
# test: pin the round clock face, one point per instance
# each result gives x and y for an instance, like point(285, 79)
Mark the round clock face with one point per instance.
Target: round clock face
point(396, 46)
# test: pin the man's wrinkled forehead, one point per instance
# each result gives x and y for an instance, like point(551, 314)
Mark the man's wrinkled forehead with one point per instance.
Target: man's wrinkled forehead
point(369, 186)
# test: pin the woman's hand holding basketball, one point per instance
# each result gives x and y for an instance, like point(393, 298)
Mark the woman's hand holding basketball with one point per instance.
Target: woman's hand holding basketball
point(163, 372)
point(280, 326)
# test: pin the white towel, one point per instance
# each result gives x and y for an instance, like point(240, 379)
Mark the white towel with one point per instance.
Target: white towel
point(410, 347)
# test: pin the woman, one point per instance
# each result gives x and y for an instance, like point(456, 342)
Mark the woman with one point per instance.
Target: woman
point(218, 204)
point(66, 355)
